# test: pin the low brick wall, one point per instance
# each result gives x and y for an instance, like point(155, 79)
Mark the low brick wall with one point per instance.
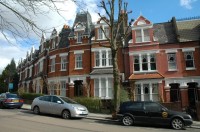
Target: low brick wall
point(173, 106)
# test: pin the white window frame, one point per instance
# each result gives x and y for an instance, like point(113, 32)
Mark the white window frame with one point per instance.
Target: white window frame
point(63, 63)
point(140, 94)
point(53, 63)
point(79, 37)
point(41, 66)
point(140, 58)
point(103, 88)
point(101, 35)
point(79, 61)
point(63, 88)
point(190, 53)
point(142, 36)
point(172, 63)
point(103, 58)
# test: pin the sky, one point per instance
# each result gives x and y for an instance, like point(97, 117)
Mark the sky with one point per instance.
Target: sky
point(157, 11)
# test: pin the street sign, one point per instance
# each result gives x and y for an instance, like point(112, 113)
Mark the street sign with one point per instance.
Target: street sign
point(10, 85)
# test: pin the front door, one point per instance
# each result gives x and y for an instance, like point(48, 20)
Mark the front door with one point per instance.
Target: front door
point(78, 88)
point(192, 98)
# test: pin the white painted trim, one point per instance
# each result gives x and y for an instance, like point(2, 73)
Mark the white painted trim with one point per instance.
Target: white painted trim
point(100, 49)
point(58, 79)
point(143, 52)
point(78, 51)
point(142, 27)
point(52, 57)
point(182, 80)
point(171, 50)
point(188, 49)
point(63, 54)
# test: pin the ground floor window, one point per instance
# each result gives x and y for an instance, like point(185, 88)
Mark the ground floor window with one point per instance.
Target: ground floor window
point(103, 87)
point(146, 92)
point(63, 88)
point(54, 88)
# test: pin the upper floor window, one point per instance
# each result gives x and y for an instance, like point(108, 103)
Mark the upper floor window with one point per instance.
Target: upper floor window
point(142, 35)
point(144, 62)
point(41, 66)
point(53, 43)
point(78, 61)
point(30, 72)
point(53, 65)
point(79, 37)
point(189, 60)
point(63, 63)
point(103, 58)
point(101, 34)
point(172, 61)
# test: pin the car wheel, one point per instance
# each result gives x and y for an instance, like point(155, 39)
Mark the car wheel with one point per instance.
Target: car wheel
point(36, 110)
point(66, 114)
point(127, 120)
point(177, 124)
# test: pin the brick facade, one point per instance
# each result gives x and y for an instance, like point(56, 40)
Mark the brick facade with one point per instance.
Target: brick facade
point(154, 58)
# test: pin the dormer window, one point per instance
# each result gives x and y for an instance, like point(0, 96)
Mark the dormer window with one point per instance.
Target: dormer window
point(79, 37)
point(53, 43)
point(142, 35)
point(101, 34)
point(79, 29)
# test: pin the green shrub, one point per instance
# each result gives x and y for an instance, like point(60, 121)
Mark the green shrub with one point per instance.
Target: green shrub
point(124, 95)
point(93, 104)
point(29, 96)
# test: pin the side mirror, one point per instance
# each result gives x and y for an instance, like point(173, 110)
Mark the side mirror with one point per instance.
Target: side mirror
point(59, 102)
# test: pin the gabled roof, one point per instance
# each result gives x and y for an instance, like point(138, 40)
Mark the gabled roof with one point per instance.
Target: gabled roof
point(188, 30)
point(141, 20)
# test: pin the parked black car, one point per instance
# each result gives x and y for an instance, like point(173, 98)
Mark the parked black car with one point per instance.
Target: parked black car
point(152, 113)
point(9, 100)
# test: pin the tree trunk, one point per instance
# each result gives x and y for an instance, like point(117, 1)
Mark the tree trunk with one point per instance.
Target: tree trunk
point(116, 82)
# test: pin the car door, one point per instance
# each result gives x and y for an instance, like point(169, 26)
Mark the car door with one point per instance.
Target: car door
point(137, 110)
point(155, 113)
point(56, 105)
point(44, 104)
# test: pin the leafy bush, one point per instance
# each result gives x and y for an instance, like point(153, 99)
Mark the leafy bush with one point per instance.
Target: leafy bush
point(29, 96)
point(124, 95)
point(93, 104)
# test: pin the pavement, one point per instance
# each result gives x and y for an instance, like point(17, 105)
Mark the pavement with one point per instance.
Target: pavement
point(108, 117)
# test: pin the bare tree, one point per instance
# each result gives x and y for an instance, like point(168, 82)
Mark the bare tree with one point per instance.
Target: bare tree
point(24, 12)
point(118, 33)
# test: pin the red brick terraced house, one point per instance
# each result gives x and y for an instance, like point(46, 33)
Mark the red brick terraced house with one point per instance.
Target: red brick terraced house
point(160, 61)
point(72, 63)
point(164, 61)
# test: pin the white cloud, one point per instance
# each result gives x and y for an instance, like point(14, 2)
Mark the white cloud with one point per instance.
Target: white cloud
point(187, 3)
point(48, 21)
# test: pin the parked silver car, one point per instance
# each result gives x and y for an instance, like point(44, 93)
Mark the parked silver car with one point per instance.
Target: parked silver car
point(58, 105)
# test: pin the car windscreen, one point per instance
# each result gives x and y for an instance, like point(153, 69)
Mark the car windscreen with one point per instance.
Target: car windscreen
point(11, 96)
point(68, 100)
